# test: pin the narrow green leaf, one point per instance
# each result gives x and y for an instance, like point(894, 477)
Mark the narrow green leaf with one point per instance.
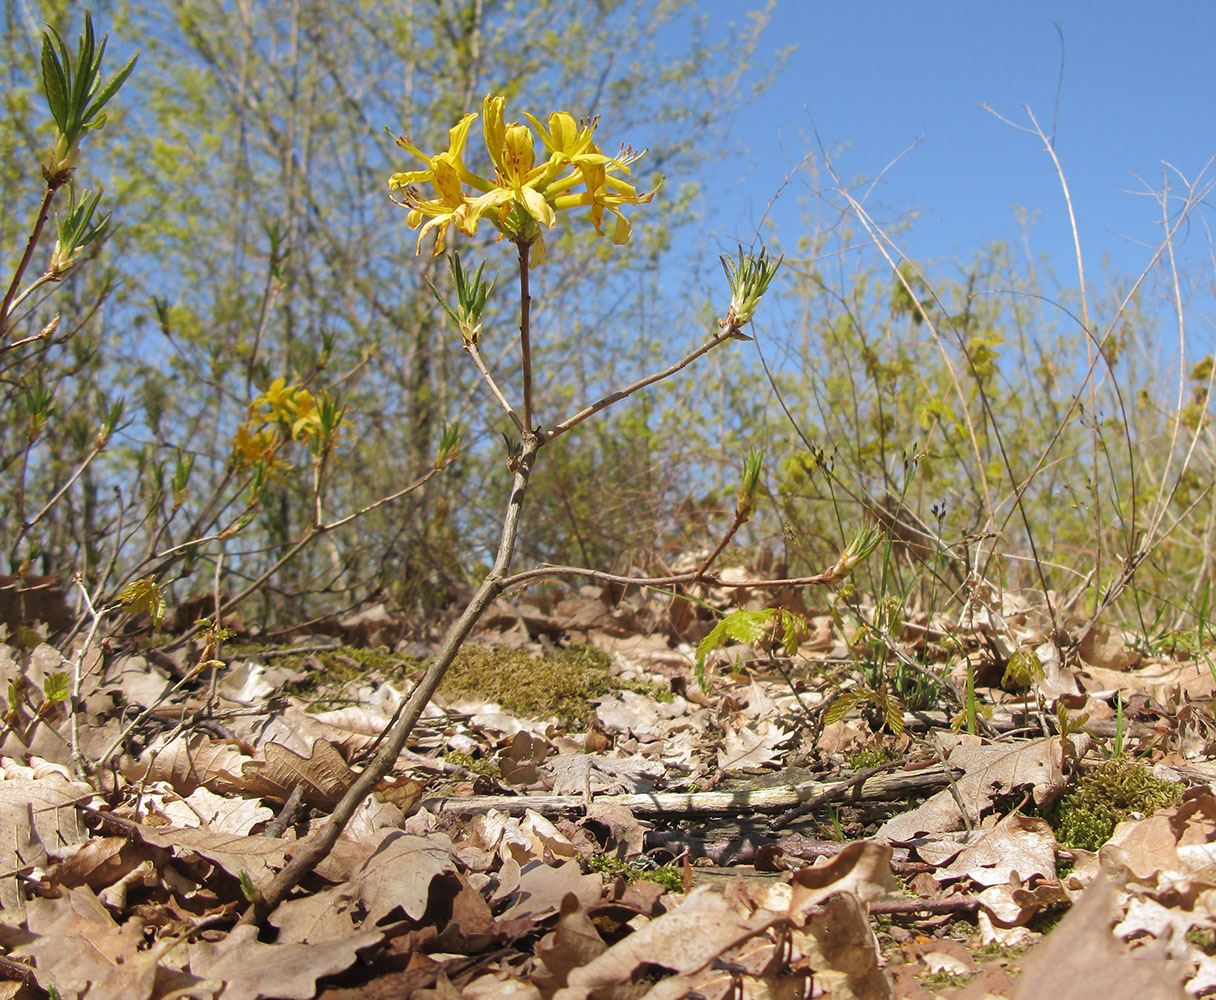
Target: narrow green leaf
point(54, 84)
point(110, 89)
point(789, 637)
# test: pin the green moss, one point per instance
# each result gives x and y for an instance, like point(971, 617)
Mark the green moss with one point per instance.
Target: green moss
point(993, 950)
point(562, 685)
point(945, 980)
point(1106, 795)
point(478, 765)
point(1203, 938)
point(869, 757)
point(668, 876)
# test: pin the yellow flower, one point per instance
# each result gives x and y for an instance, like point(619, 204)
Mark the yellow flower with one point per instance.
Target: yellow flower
point(572, 144)
point(277, 397)
point(251, 445)
point(307, 417)
point(447, 175)
point(511, 149)
point(524, 197)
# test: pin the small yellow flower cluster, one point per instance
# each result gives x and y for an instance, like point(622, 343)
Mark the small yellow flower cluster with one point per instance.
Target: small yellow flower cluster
point(281, 413)
point(523, 198)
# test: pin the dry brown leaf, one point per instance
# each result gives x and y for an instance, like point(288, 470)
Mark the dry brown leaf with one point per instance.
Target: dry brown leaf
point(843, 953)
point(40, 823)
point(992, 770)
point(188, 762)
point(752, 748)
point(324, 774)
point(532, 838)
point(78, 948)
point(249, 969)
point(399, 873)
point(626, 837)
point(575, 773)
point(494, 987)
point(1106, 646)
point(540, 889)
point(353, 728)
point(204, 809)
point(1081, 960)
point(645, 718)
point(1180, 840)
point(319, 916)
point(103, 861)
point(1012, 904)
point(684, 939)
point(572, 944)
point(862, 869)
point(400, 790)
point(1018, 845)
point(258, 857)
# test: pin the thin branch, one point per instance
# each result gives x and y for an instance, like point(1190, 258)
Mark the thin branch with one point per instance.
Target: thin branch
point(724, 334)
point(318, 846)
point(474, 352)
point(78, 760)
point(525, 336)
point(44, 210)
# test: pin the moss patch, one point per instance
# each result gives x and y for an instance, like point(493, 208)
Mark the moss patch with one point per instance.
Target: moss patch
point(477, 765)
point(668, 876)
point(869, 757)
point(1104, 796)
point(562, 685)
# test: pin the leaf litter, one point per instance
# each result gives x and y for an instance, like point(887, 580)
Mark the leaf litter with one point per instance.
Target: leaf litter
point(683, 833)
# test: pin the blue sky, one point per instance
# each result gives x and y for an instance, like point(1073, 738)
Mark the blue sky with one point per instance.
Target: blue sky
point(1137, 89)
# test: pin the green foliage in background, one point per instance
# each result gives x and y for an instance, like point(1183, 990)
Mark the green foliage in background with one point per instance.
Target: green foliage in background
point(238, 369)
point(256, 247)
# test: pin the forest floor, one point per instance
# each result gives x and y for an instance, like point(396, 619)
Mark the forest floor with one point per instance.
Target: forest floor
point(584, 812)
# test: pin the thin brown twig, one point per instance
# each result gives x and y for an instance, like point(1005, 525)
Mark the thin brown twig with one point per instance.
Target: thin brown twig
point(474, 352)
point(834, 792)
point(723, 334)
point(525, 336)
point(44, 209)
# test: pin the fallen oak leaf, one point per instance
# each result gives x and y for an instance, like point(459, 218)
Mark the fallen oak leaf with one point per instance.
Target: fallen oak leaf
point(259, 858)
point(399, 873)
point(249, 969)
point(190, 762)
point(80, 950)
point(573, 943)
point(1021, 845)
point(990, 770)
point(684, 939)
point(324, 773)
point(40, 824)
point(752, 748)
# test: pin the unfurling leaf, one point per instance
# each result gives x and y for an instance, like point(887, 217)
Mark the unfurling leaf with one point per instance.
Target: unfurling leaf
point(56, 687)
point(143, 597)
point(1023, 669)
point(741, 625)
point(250, 891)
point(844, 704)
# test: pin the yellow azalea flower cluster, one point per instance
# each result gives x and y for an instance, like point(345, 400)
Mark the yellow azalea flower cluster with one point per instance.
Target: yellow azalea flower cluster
point(282, 412)
point(523, 198)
